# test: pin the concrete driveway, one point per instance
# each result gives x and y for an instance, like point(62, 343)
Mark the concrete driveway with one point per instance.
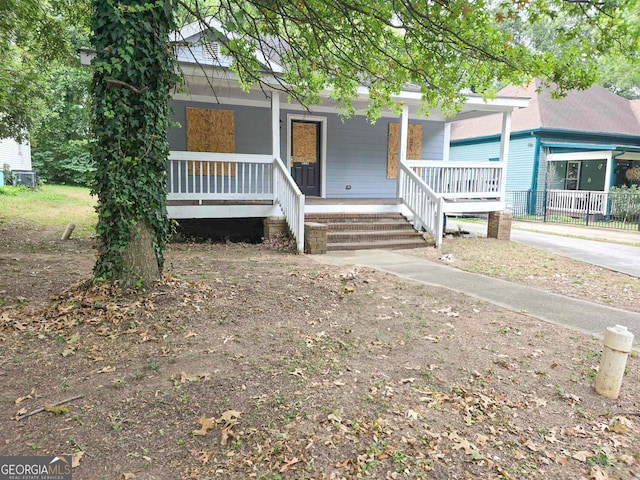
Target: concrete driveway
point(560, 240)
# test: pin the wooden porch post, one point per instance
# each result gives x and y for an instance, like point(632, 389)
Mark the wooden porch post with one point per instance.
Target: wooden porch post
point(275, 123)
point(404, 139)
point(504, 152)
point(446, 147)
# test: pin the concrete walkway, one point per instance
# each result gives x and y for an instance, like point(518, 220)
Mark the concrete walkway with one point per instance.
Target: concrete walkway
point(561, 240)
point(569, 312)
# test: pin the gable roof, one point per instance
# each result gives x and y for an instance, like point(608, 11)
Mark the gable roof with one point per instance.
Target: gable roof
point(595, 110)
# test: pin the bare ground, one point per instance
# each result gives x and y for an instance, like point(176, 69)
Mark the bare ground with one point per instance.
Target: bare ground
point(249, 362)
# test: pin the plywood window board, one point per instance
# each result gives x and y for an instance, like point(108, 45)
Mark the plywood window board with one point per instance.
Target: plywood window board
point(414, 147)
point(305, 142)
point(211, 131)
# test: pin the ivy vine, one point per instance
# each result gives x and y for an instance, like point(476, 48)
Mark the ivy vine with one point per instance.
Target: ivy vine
point(134, 73)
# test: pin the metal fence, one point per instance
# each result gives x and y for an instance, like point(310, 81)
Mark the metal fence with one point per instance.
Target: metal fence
point(578, 207)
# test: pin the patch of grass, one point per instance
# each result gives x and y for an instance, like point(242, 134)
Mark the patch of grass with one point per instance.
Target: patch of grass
point(51, 205)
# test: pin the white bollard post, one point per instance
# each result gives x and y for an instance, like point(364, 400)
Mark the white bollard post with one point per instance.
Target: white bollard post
point(617, 345)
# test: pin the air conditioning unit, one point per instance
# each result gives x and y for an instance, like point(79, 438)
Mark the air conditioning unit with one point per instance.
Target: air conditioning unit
point(25, 177)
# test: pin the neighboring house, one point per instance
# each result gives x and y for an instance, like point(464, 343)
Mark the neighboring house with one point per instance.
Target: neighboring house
point(240, 154)
point(571, 149)
point(16, 154)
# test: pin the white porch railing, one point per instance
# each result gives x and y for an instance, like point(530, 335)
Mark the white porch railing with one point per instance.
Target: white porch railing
point(219, 176)
point(577, 202)
point(478, 180)
point(199, 176)
point(291, 200)
point(425, 204)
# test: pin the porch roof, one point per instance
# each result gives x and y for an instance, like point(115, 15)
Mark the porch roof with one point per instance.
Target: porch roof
point(592, 146)
point(209, 83)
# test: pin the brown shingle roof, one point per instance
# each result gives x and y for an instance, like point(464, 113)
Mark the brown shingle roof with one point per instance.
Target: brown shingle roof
point(595, 110)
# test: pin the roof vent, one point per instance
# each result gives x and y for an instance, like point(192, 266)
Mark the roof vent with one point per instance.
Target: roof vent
point(211, 50)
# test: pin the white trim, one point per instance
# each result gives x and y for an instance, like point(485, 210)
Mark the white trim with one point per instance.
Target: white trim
point(247, 102)
point(340, 208)
point(275, 124)
point(577, 156)
point(222, 211)
point(446, 142)
point(323, 146)
point(505, 138)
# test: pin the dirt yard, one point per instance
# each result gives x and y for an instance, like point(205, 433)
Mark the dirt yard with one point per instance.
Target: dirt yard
point(249, 362)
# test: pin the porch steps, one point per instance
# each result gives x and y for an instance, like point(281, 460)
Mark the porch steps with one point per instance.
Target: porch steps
point(361, 231)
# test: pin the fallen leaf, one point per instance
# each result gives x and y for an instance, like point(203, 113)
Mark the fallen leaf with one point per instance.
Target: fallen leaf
point(582, 455)
point(205, 425)
point(190, 334)
point(288, 463)
point(128, 476)
point(598, 473)
point(617, 426)
point(466, 445)
point(26, 397)
point(107, 369)
point(75, 459)
point(229, 416)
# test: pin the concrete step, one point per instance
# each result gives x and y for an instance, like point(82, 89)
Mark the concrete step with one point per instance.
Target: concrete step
point(334, 237)
point(369, 226)
point(387, 244)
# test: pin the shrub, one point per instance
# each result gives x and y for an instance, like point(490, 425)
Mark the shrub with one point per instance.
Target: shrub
point(625, 203)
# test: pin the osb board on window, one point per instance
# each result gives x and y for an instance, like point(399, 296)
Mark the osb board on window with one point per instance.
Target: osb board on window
point(211, 131)
point(414, 150)
point(305, 142)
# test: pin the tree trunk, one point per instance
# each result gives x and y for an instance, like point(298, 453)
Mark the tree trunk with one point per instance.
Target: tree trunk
point(134, 73)
point(139, 261)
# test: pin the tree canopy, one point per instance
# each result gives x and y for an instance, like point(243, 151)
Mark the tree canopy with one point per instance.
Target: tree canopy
point(445, 47)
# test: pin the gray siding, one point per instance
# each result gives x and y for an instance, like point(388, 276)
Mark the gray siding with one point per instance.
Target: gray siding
point(252, 126)
point(356, 150)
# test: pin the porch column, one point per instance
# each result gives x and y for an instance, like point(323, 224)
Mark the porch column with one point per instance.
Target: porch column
point(275, 123)
point(404, 139)
point(504, 152)
point(608, 172)
point(446, 147)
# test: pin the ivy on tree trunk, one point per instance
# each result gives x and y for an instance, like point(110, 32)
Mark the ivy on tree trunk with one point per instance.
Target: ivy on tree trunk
point(134, 73)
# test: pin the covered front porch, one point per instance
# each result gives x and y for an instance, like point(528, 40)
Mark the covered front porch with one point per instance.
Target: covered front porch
point(245, 154)
point(216, 185)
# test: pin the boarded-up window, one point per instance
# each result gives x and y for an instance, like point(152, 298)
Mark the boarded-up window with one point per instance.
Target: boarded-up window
point(305, 142)
point(414, 150)
point(211, 131)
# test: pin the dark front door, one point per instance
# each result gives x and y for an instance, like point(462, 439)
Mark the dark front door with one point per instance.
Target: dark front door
point(305, 156)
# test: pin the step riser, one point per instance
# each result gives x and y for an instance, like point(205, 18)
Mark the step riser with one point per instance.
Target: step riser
point(368, 246)
point(334, 238)
point(377, 227)
point(347, 231)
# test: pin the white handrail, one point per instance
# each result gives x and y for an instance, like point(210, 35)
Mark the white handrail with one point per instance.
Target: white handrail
point(291, 200)
point(461, 179)
point(425, 204)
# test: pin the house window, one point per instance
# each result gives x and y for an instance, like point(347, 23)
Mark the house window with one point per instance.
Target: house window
point(211, 50)
point(572, 176)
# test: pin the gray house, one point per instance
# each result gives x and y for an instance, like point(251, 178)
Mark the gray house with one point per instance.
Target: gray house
point(570, 149)
point(238, 154)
